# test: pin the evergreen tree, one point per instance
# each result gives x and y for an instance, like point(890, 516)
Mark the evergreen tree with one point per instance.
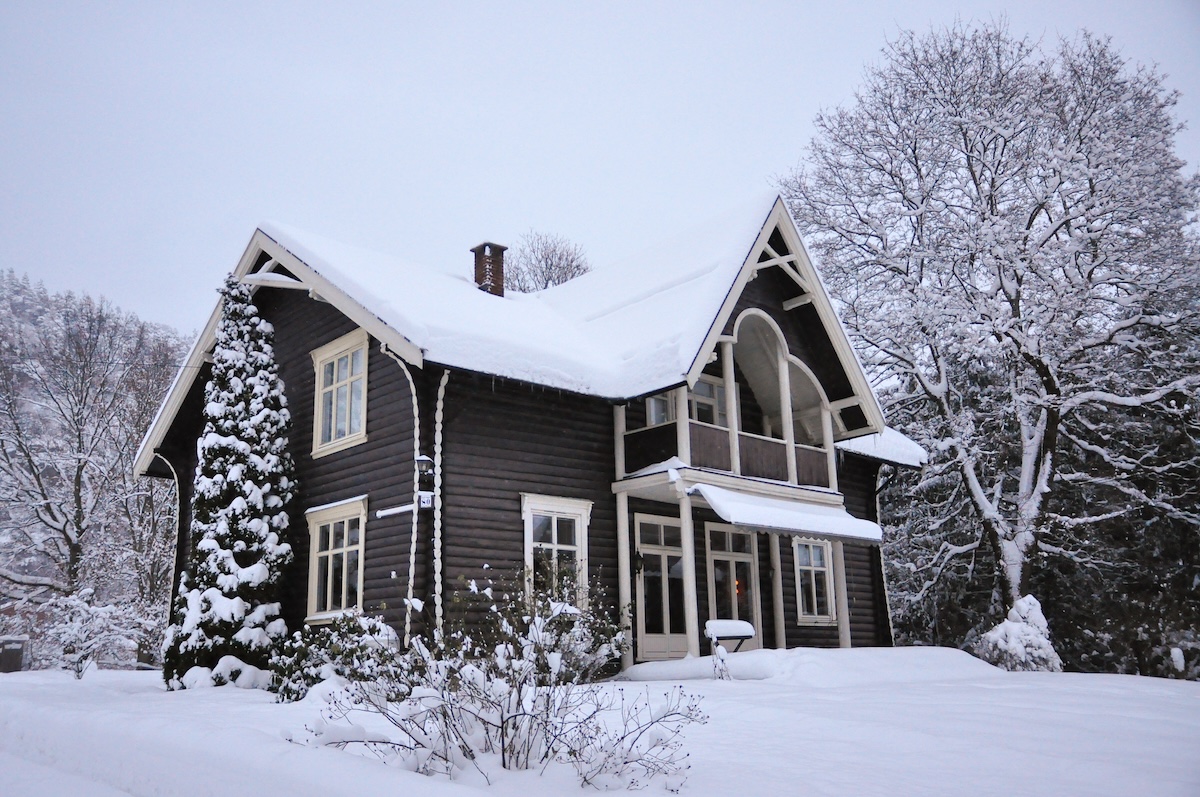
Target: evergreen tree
point(243, 483)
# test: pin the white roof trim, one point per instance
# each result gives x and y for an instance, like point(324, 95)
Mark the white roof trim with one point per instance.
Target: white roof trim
point(789, 517)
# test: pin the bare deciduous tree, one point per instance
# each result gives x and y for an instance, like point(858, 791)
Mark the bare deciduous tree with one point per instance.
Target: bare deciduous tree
point(1007, 231)
point(540, 260)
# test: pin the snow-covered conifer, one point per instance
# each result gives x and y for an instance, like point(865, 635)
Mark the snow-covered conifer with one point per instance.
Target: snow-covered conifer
point(227, 604)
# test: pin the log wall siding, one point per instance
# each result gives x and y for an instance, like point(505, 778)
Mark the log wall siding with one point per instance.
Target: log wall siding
point(381, 467)
point(503, 438)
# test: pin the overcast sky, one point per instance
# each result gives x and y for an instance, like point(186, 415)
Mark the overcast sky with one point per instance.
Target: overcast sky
point(140, 144)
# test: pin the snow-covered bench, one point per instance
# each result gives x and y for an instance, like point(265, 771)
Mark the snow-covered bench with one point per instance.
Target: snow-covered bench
point(716, 630)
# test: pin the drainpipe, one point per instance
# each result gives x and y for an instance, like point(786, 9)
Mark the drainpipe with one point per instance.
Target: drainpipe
point(412, 546)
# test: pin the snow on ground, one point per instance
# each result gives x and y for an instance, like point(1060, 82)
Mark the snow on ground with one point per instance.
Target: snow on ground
point(907, 721)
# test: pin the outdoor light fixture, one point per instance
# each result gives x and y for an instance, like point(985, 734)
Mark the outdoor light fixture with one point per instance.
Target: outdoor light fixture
point(424, 465)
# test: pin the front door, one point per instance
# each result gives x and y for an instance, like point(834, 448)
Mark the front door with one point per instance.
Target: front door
point(733, 578)
point(660, 622)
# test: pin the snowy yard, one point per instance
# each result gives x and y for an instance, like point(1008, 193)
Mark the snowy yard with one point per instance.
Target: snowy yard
point(910, 721)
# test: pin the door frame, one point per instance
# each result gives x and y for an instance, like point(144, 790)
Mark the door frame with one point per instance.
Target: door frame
point(639, 590)
point(755, 584)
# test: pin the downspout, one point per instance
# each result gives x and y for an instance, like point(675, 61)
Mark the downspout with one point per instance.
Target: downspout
point(437, 498)
point(412, 545)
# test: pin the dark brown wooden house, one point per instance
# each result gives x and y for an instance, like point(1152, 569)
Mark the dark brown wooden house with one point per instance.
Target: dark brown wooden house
point(692, 429)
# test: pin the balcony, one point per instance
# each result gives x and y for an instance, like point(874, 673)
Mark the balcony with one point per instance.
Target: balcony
point(759, 456)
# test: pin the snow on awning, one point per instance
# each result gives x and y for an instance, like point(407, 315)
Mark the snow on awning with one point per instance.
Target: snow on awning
point(887, 446)
point(790, 517)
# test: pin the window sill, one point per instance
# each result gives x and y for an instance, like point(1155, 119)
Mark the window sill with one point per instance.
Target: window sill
point(817, 622)
point(325, 618)
point(339, 445)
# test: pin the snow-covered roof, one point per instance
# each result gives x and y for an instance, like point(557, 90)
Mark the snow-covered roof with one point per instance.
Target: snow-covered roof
point(887, 446)
point(619, 331)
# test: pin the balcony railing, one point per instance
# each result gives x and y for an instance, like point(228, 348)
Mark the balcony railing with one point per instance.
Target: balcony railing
point(761, 457)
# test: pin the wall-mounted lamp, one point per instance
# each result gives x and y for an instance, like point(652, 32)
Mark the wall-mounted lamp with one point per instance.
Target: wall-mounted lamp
point(424, 498)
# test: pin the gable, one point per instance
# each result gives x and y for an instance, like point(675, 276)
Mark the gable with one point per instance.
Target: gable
point(779, 281)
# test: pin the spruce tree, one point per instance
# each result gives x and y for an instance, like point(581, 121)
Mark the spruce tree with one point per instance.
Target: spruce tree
point(227, 602)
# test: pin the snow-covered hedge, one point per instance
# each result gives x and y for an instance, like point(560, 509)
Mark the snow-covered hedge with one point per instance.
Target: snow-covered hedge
point(352, 647)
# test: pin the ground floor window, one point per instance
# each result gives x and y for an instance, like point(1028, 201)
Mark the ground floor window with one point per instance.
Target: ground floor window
point(814, 581)
point(556, 532)
point(336, 557)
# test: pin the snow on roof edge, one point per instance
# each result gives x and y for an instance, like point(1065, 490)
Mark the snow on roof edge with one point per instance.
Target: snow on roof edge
point(888, 446)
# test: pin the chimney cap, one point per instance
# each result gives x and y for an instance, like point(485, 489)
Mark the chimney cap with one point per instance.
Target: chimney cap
point(488, 245)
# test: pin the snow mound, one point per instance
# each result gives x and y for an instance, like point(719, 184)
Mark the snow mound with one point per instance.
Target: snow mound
point(819, 667)
point(1022, 642)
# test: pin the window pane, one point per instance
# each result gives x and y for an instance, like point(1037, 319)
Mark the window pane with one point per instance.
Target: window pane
point(741, 542)
point(675, 594)
point(323, 538)
point(352, 531)
point(339, 426)
point(327, 375)
point(671, 536)
point(803, 557)
point(323, 584)
point(652, 587)
point(567, 574)
point(818, 555)
point(716, 540)
point(326, 416)
point(543, 570)
point(704, 389)
point(339, 529)
point(343, 365)
point(543, 528)
point(356, 402)
point(805, 590)
point(356, 362)
point(822, 597)
point(704, 413)
point(743, 589)
point(650, 534)
point(566, 531)
point(335, 598)
point(351, 579)
point(723, 589)
point(657, 410)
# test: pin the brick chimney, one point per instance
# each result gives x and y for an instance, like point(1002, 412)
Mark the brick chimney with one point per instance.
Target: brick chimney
point(489, 268)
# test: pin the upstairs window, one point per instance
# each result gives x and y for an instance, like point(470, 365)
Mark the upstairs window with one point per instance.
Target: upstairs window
point(706, 403)
point(340, 415)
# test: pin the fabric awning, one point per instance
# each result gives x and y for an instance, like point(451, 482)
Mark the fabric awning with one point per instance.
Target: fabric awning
point(789, 517)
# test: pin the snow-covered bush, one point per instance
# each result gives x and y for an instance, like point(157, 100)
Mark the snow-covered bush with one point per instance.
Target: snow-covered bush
point(1022, 641)
point(352, 647)
point(75, 633)
point(521, 699)
point(227, 598)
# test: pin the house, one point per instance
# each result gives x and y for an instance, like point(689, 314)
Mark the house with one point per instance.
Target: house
point(692, 429)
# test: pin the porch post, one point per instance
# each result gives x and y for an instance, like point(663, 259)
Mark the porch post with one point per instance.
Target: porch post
point(830, 452)
point(691, 614)
point(785, 412)
point(683, 430)
point(624, 577)
point(777, 592)
point(839, 594)
point(619, 439)
point(731, 407)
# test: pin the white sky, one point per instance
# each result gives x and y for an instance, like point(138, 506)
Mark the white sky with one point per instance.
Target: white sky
point(140, 143)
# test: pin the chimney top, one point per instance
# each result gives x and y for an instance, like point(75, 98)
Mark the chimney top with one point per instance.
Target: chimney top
point(489, 267)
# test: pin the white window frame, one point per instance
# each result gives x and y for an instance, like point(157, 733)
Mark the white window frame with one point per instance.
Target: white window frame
point(327, 515)
point(578, 510)
point(830, 597)
point(718, 404)
point(751, 557)
point(346, 345)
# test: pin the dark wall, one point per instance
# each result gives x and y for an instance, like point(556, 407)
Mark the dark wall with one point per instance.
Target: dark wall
point(503, 438)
